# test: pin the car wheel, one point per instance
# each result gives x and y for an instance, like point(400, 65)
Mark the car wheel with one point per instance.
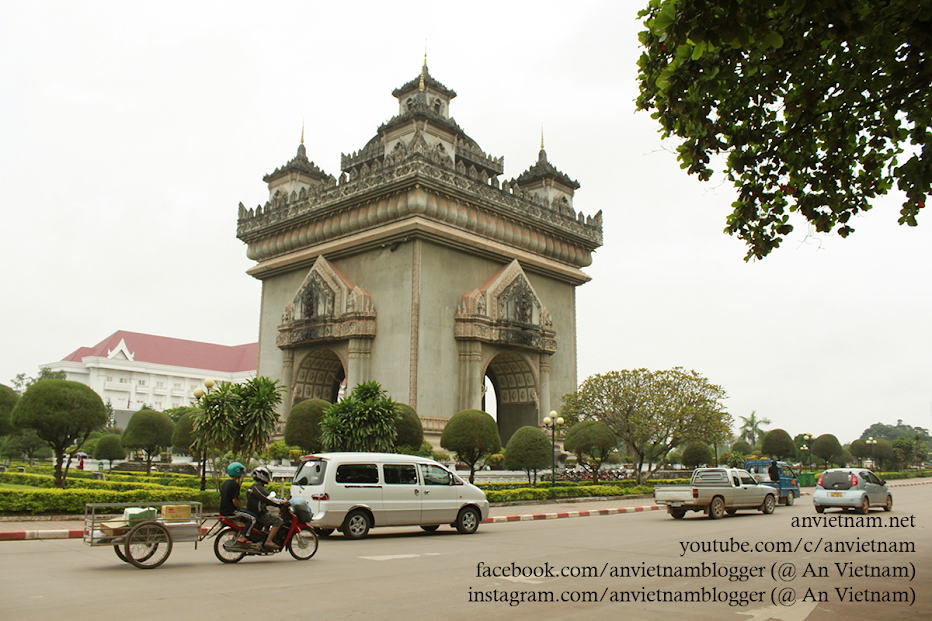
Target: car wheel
point(769, 504)
point(356, 525)
point(889, 505)
point(717, 508)
point(678, 514)
point(467, 522)
point(790, 499)
point(865, 506)
point(819, 508)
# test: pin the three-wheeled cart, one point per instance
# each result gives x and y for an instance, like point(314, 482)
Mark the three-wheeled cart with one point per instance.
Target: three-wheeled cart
point(145, 537)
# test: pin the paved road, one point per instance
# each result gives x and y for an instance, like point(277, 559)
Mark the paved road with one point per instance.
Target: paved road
point(407, 575)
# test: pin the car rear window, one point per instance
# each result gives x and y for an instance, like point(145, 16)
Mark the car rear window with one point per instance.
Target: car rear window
point(357, 473)
point(310, 473)
point(836, 480)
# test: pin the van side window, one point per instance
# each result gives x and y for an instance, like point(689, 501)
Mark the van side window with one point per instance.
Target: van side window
point(357, 473)
point(399, 474)
point(435, 475)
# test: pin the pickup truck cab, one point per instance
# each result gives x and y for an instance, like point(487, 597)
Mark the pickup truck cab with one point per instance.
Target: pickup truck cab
point(716, 492)
point(788, 485)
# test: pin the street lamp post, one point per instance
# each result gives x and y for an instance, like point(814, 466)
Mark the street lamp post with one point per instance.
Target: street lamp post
point(552, 422)
point(808, 438)
point(871, 442)
point(198, 393)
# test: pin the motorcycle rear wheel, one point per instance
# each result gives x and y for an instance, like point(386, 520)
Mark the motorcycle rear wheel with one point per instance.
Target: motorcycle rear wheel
point(224, 538)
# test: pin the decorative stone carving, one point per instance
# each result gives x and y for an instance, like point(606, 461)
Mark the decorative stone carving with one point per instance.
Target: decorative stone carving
point(506, 311)
point(327, 307)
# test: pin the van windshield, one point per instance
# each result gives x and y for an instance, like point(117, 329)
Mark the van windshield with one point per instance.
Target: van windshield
point(310, 473)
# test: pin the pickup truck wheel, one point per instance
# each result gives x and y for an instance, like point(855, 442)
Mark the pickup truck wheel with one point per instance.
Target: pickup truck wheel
point(768, 505)
point(717, 508)
point(678, 514)
point(790, 498)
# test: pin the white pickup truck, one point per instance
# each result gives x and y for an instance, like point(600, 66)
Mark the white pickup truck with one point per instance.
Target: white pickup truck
point(715, 492)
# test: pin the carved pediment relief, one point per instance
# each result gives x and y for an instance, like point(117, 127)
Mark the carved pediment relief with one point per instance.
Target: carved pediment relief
point(506, 310)
point(326, 307)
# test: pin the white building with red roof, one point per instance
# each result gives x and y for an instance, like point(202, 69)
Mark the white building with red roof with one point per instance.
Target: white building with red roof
point(131, 369)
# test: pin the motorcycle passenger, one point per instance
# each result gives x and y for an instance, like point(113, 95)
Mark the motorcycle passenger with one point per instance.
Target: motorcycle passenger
point(258, 497)
point(229, 501)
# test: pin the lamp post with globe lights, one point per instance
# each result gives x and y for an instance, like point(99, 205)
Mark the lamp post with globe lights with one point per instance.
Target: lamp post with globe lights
point(807, 438)
point(871, 442)
point(552, 422)
point(198, 393)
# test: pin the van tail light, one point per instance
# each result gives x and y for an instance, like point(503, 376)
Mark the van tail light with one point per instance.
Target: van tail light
point(320, 496)
point(695, 492)
point(854, 480)
point(821, 476)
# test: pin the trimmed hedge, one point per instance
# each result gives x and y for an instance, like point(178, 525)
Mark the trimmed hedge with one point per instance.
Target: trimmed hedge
point(73, 500)
point(578, 491)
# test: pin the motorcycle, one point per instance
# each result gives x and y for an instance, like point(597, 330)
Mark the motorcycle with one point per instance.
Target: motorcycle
point(295, 535)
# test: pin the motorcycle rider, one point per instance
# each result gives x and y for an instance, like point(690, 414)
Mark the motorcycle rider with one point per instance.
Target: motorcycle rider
point(229, 501)
point(256, 500)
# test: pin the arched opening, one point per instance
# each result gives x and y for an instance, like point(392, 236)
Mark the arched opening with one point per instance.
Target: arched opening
point(514, 391)
point(319, 376)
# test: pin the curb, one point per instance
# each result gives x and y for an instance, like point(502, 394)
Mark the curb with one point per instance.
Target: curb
point(499, 519)
point(17, 535)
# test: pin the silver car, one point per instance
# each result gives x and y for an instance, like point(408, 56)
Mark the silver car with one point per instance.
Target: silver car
point(851, 488)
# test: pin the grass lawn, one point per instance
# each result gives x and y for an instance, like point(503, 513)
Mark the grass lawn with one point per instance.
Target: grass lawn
point(14, 486)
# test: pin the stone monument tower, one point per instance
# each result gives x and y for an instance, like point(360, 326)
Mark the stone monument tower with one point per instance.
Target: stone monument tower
point(419, 269)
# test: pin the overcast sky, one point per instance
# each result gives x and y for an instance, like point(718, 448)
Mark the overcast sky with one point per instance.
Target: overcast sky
point(130, 132)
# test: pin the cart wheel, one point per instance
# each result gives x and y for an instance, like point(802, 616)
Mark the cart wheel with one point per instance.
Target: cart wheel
point(224, 538)
point(148, 545)
point(303, 544)
point(119, 553)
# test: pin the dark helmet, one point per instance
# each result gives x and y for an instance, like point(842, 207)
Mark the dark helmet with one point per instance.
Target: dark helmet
point(262, 474)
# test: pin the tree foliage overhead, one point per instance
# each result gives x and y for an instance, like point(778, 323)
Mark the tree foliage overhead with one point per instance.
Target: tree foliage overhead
point(410, 429)
point(826, 447)
point(63, 413)
point(109, 447)
point(472, 435)
point(238, 417)
point(696, 454)
point(8, 398)
point(654, 411)
point(751, 429)
point(819, 106)
point(364, 421)
point(530, 450)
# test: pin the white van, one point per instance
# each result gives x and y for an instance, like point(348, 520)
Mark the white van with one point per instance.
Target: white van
point(353, 492)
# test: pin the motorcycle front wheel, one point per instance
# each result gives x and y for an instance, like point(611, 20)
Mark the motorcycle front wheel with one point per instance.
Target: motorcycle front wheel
point(303, 544)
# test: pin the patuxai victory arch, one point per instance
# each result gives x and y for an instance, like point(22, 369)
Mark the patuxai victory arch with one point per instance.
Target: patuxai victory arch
point(419, 269)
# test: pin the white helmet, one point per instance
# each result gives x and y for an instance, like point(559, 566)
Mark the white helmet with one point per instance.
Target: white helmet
point(262, 474)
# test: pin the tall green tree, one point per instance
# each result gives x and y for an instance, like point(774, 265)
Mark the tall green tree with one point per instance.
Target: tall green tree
point(366, 420)
point(883, 454)
point(473, 436)
point(410, 430)
point(778, 444)
point(63, 413)
point(25, 444)
point(239, 418)
point(826, 447)
point(184, 436)
point(8, 399)
point(110, 447)
point(860, 450)
point(654, 411)
point(696, 453)
point(818, 107)
point(22, 382)
point(592, 441)
point(303, 425)
point(530, 450)
point(751, 428)
point(742, 447)
point(148, 431)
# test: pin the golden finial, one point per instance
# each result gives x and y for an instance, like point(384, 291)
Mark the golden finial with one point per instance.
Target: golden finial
point(302, 131)
point(541, 137)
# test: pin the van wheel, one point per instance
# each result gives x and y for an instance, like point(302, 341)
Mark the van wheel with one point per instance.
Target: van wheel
point(790, 499)
point(356, 525)
point(467, 522)
point(430, 528)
